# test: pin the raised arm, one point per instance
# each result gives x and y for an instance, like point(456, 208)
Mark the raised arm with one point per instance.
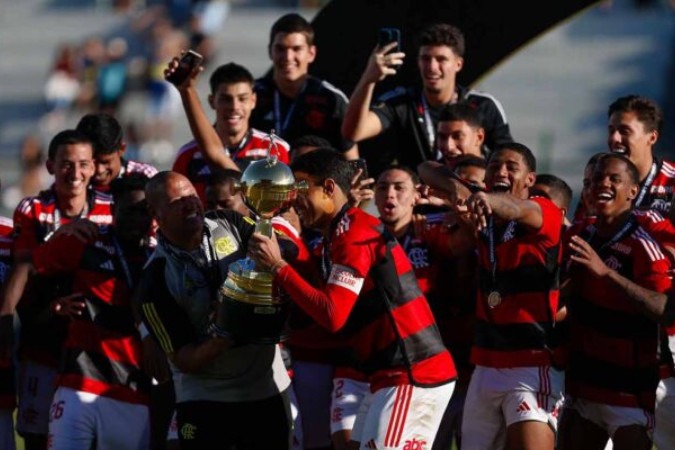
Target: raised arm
point(202, 129)
point(506, 207)
point(360, 122)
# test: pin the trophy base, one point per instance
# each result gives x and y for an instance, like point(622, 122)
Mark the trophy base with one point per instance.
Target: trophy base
point(255, 323)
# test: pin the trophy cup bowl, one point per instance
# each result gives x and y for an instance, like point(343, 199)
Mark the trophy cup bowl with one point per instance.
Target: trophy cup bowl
point(252, 310)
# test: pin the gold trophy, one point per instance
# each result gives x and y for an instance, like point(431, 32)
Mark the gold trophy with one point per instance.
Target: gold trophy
point(251, 310)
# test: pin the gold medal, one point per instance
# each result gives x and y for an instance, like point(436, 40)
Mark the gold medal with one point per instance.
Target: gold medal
point(494, 299)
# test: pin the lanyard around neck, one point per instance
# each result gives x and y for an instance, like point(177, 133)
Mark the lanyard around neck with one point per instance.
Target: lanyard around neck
point(647, 184)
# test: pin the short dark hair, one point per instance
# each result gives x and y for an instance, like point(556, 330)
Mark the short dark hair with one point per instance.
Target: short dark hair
point(67, 137)
point(413, 175)
point(632, 168)
point(135, 181)
point(442, 34)
point(292, 23)
point(310, 140)
point(646, 110)
point(230, 73)
point(593, 160)
point(220, 176)
point(470, 161)
point(558, 186)
point(104, 131)
point(461, 112)
point(324, 163)
point(519, 148)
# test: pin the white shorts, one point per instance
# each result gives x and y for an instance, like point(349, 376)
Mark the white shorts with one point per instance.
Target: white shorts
point(313, 385)
point(401, 417)
point(498, 398)
point(80, 418)
point(7, 430)
point(347, 397)
point(610, 417)
point(664, 431)
point(36, 386)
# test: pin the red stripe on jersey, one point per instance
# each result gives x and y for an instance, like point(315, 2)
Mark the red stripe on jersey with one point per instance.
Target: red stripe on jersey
point(89, 337)
point(619, 351)
point(416, 308)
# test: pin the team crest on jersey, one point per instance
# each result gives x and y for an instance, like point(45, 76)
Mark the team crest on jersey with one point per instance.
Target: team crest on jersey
point(225, 246)
point(613, 263)
point(419, 257)
point(316, 119)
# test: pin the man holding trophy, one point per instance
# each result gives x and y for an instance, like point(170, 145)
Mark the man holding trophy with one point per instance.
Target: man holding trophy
point(369, 295)
point(216, 375)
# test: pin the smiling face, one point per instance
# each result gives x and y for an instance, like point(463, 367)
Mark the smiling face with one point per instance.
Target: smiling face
point(395, 197)
point(457, 138)
point(628, 136)
point(438, 66)
point(108, 167)
point(233, 104)
point(612, 188)
point(507, 171)
point(291, 56)
point(73, 167)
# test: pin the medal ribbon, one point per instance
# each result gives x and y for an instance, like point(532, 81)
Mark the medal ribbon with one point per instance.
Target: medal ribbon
point(281, 127)
point(647, 184)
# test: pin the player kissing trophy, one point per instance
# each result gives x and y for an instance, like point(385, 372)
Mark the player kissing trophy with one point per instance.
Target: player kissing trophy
point(251, 310)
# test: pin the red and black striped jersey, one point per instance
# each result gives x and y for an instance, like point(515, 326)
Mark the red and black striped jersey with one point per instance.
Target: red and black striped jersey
point(519, 331)
point(191, 163)
point(371, 296)
point(613, 347)
point(7, 385)
point(6, 244)
point(35, 221)
point(449, 283)
point(37, 218)
point(102, 350)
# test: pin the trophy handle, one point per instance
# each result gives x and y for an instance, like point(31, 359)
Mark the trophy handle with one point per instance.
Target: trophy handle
point(264, 226)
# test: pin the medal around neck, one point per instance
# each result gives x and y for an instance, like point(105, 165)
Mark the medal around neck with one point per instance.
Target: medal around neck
point(494, 299)
point(251, 310)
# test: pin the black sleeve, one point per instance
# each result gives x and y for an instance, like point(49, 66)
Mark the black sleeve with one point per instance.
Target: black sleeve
point(497, 130)
point(164, 318)
point(339, 115)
